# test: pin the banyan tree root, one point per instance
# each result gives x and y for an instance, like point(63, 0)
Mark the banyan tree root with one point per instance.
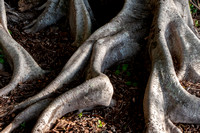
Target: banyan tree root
point(97, 91)
point(110, 44)
point(28, 114)
point(54, 10)
point(102, 50)
point(23, 66)
point(79, 14)
point(174, 51)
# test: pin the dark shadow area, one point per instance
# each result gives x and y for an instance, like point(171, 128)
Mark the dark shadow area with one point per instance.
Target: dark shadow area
point(105, 10)
point(12, 2)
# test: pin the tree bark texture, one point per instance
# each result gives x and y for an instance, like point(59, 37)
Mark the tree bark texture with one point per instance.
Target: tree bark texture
point(173, 47)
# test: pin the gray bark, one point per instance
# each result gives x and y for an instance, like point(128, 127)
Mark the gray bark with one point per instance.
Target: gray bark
point(173, 49)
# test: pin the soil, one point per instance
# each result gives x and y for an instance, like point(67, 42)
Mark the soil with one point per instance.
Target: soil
point(51, 48)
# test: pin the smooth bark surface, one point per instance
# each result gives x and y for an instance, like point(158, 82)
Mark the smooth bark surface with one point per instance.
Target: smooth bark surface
point(173, 49)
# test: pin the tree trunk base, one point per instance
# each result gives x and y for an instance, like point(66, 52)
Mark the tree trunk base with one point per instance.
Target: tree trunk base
point(173, 49)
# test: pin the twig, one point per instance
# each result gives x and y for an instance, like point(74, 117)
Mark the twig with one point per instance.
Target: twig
point(194, 4)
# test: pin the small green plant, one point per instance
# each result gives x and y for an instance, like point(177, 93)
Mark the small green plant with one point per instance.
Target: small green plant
point(193, 9)
point(80, 115)
point(135, 84)
point(99, 124)
point(128, 73)
point(1, 57)
point(122, 69)
point(10, 31)
point(128, 83)
point(117, 72)
point(2, 61)
point(196, 23)
point(23, 125)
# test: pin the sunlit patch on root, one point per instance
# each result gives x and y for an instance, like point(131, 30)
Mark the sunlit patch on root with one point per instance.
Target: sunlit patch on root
point(97, 91)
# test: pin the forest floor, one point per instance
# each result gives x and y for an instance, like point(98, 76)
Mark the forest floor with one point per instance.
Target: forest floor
point(51, 48)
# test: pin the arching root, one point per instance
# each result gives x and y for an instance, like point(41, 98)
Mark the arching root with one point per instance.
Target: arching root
point(104, 50)
point(110, 44)
point(97, 91)
point(75, 64)
point(80, 18)
point(23, 65)
point(14, 15)
point(28, 114)
point(174, 51)
point(54, 10)
point(3, 19)
point(166, 101)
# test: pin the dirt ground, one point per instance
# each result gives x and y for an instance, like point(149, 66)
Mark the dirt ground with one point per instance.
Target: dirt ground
point(51, 48)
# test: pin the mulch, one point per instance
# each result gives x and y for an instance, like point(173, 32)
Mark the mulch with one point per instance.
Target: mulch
point(51, 48)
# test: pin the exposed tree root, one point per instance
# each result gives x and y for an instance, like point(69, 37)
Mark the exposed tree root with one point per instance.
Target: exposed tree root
point(80, 13)
point(116, 44)
point(103, 49)
point(28, 114)
point(54, 10)
point(80, 18)
point(16, 16)
point(165, 99)
point(174, 51)
point(97, 91)
point(23, 65)
point(3, 19)
point(70, 70)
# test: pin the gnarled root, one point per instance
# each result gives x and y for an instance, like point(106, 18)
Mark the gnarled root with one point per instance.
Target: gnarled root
point(23, 65)
point(75, 64)
point(97, 91)
point(28, 114)
point(80, 18)
point(106, 46)
point(174, 52)
point(54, 10)
point(114, 42)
